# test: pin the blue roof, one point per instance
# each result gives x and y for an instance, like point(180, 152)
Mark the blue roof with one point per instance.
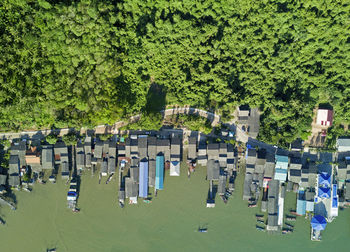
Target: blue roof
point(335, 190)
point(159, 172)
point(335, 202)
point(283, 159)
point(324, 179)
point(318, 222)
point(143, 179)
point(301, 207)
point(280, 174)
point(324, 192)
point(301, 195)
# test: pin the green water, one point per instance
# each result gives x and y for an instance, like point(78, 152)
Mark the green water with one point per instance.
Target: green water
point(167, 224)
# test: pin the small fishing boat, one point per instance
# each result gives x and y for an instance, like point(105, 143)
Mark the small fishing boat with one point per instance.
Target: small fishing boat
point(290, 218)
point(289, 225)
point(286, 231)
point(52, 179)
point(27, 189)
point(252, 205)
point(202, 230)
point(259, 228)
point(294, 213)
point(2, 222)
point(147, 201)
point(261, 222)
point(224, 199)
point(76, 210)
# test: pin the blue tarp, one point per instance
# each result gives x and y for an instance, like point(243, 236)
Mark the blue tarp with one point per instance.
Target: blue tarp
point(324, 192)
point(143, 179)
point(324, 180)
point(159, 172)
point(318, 222)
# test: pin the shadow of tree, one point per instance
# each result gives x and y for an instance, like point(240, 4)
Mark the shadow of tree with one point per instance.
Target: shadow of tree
point(155, 99)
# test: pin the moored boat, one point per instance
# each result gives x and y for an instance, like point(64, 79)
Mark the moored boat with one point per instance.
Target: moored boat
point(259, 228)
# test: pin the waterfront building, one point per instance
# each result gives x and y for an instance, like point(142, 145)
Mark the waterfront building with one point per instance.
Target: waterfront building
point(294, 172)
point(301, 203)
point(269, 168)
point(192, 149)
point(19, 149)
point(281, 167)
point(310, 198)
point(213, 151)
point(248, 120)
point(134, 169)
point(142, 147)
point(32, 158)
point(159, 172)
point(131, 190)
point(104, 167)
point(65, 170)
point(231, 161)
point(222, 183)
point(202, 154)
point(47, 159)
point(272, 206)
point(213, 170)
point(98, 150)
point(13, 171)
point(152, 148)
point(343, 144)
point(143, 178)
point(122, 151)
point(152, 164)
point(246, 186)
point(111, 165)
point(80, 156)
point(223, 155)
point(260, 161)
point(163, 146)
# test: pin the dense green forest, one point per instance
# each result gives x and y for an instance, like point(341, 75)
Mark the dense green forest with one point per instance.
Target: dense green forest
point(72, 63)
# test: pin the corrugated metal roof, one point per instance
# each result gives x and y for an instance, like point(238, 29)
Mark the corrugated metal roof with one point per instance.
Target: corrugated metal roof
point(3, 179)
point(159, 172)
point(143, 179)
point(130, 188)
point(151, 172)
point(47, 160)
point(213, 169)
point(111, 165)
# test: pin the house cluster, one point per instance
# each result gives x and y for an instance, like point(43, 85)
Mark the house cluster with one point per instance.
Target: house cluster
point(221, 160)
point(321, 186)
point(25, 159)
point(248, 119)
point(343, 169)
point(143, 159)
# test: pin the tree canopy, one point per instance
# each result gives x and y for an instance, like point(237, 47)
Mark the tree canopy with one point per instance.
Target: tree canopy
point(88, 62)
